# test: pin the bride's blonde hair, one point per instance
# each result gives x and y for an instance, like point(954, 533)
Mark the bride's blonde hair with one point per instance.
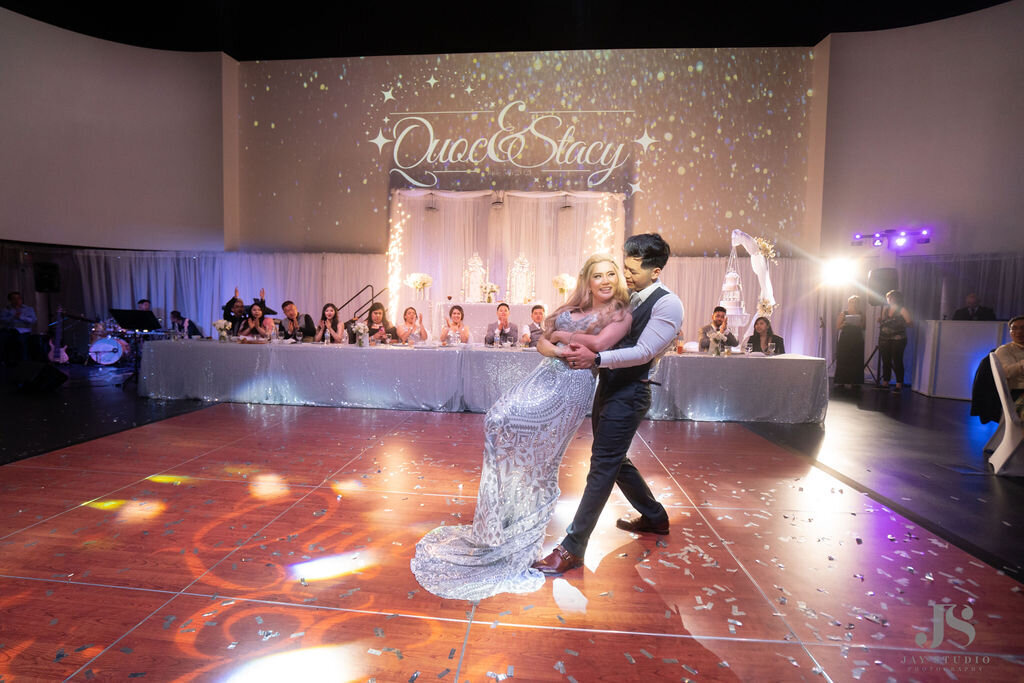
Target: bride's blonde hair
point(582, 298)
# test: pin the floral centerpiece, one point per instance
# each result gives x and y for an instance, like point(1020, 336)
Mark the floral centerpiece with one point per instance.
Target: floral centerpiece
point(767, 249)
point(222, 326)
point(419, 282)
point(564, 283)
point(362, 332)
point(765, 308)
point(718, 340)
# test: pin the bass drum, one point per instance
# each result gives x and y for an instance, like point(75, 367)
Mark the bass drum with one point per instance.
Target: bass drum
point(108, 350)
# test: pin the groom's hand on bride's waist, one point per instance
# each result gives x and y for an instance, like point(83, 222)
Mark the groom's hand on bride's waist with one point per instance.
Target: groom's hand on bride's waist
point(579, 357)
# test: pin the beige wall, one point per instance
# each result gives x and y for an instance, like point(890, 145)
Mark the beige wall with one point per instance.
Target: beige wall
point(925, 129)
point(107, 145)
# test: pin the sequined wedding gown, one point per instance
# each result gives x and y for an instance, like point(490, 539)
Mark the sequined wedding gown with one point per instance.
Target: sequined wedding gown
point(526, 433)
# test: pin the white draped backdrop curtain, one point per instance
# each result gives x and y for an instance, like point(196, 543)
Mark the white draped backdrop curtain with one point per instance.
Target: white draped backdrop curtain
point(436, 233)
point(199, 283)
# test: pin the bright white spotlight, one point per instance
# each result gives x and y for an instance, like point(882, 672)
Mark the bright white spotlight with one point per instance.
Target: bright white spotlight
point(838, 271)
point(333, 566)
point(331, 663)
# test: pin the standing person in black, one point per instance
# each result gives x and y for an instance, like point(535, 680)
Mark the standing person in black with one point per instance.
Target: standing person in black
point(621, 402)
point(892, 338)
point(850, 345)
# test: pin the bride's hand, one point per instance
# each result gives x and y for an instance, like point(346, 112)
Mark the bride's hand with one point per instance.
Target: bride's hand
point(560, 336)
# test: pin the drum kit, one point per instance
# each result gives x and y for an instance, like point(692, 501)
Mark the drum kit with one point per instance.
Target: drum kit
point(110, 344)
point(107, 344)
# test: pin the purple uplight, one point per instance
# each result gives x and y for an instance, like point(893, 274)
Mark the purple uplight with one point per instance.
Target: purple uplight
point(900, 241)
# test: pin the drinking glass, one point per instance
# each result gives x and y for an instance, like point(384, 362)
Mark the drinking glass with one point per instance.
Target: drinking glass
point(750, 348)
point(771, 348)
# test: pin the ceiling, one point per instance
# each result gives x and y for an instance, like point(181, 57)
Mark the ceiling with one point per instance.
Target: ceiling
point(300, 30)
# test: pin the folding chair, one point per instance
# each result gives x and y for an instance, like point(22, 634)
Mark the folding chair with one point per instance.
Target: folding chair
point(1008, 441)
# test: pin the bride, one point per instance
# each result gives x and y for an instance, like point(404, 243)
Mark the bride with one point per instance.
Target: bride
point(526, 432)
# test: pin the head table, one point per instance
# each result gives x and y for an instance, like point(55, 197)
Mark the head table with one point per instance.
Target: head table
point(785, 389)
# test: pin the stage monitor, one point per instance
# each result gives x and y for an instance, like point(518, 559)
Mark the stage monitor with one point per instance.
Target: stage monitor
point(132, 320)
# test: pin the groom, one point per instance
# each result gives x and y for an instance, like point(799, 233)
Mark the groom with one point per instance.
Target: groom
point(621, 402)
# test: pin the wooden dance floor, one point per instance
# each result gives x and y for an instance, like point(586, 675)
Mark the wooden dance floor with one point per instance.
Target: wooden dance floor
point(273, 543)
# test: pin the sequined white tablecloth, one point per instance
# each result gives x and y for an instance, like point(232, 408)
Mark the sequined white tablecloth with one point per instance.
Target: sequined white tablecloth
point(787, 389)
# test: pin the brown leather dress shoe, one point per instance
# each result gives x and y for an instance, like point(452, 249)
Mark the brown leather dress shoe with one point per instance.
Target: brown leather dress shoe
point(642, 525)
point(558, 562)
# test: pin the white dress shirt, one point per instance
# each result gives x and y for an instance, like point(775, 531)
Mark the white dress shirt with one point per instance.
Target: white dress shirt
point(661, 330)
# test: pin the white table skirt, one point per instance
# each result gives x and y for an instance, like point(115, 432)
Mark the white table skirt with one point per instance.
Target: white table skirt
point(788, 389)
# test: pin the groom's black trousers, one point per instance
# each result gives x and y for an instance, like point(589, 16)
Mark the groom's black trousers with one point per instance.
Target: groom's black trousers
point(618, 410)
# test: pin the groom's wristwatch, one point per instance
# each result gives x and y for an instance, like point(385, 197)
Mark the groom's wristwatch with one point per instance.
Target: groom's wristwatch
point(597, 360)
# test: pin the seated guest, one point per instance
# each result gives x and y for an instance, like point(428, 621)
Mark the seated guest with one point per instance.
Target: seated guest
point(411, 329)
point(455, 327)
point(535, 330)
point(296, 325)
point(257, 325)
point(329, 326)
point(1011, 357)
point(16, 323)
point(377, 321)
point(763, 336)
point(973, 310)
point(502, 332)
point(180, 323)
point(234, 313)
point(719, 323)
point(144, 305)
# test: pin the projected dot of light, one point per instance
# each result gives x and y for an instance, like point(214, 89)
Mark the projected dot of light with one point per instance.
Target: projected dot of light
point(329, 664)
point(333, 566)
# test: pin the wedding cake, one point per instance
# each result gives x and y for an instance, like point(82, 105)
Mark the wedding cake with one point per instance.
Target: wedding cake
point(732, 295)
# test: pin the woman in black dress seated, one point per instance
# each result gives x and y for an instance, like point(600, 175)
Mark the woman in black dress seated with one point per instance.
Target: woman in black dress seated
point(377, 321)
point(329, 325)
point(850, 345)
point(763, 336)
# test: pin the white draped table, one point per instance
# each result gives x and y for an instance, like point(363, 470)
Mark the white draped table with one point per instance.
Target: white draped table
point(788, 389)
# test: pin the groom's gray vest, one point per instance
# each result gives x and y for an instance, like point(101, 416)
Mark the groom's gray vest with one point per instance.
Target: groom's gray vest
point(641, 315)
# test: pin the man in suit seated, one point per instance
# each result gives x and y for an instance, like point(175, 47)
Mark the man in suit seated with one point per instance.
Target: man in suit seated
point(535, 329)
point(719, 323)
point(973, 310)
point(502, 332)
point(183, 324)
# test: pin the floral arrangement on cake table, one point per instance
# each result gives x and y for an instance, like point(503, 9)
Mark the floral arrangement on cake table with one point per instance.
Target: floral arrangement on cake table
point(419, 282)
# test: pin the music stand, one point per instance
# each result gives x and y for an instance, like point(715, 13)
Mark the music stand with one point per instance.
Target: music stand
point(135, 324)
point(131, 320)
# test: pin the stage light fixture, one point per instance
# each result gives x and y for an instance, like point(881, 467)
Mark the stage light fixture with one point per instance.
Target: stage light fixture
point(900, 241)
point(877, 242)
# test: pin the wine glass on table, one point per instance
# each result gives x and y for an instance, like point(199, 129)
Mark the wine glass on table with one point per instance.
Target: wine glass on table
point(771, 348)
point(749, 347)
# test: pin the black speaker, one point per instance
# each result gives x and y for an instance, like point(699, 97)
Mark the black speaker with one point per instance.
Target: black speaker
point(47, 276)
point(35, 377)
point(881, 281)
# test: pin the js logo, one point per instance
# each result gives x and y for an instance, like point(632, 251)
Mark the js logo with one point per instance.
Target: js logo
point(943, 615)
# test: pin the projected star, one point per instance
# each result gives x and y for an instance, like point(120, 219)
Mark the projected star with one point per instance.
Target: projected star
point(387, 94)
point(432, 81)
point(645, 141)
point(634, 188)
point(380, 140)
point(469, 90)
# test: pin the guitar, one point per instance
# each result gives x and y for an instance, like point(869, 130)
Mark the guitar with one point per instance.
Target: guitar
point(58, 353)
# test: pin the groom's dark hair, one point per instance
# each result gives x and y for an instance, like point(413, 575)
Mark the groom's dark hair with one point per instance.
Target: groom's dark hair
point(650, 248)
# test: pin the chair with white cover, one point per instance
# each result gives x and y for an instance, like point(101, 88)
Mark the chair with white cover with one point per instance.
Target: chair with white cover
point(1007, 444)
